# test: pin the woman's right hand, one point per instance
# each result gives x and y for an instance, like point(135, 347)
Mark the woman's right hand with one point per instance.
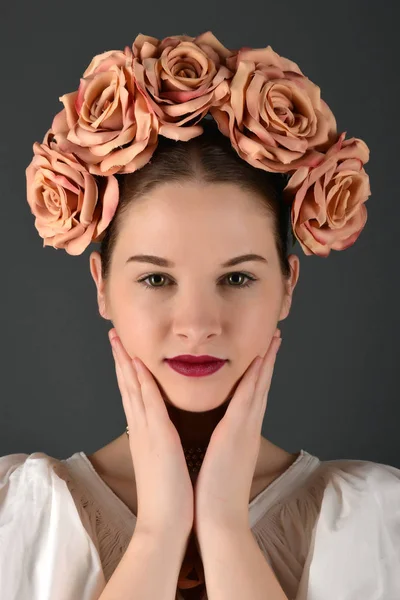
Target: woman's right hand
point(164, 488)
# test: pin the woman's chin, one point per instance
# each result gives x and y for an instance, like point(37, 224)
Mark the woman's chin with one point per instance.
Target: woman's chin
point(196, 405)
point(196, 399)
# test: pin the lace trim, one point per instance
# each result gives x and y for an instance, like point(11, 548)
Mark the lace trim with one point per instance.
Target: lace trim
point(110, 540)
point(284, 534)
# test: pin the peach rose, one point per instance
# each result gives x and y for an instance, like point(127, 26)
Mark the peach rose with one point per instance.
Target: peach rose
point(266, 56)
point(181, 77)
point(328, 211)
point(275, 117)
point(64, 197)
point(107, 122)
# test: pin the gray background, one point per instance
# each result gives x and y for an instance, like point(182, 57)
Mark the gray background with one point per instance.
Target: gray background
point(335, 385)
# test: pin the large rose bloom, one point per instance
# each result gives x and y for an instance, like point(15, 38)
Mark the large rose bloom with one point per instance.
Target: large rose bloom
point(70, 209)
point(182, 77)
point(275, 116)
point(328, 210)
point(107, 122)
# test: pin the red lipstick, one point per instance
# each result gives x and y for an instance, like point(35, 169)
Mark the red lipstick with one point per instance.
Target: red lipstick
point(195, 366)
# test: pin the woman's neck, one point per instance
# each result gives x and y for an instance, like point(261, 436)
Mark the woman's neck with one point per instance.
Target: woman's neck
point(195, 428)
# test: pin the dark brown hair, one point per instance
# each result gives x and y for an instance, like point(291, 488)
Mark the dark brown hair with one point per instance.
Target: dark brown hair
point(208, 158)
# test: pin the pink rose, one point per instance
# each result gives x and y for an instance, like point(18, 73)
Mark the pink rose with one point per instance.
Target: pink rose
point(107, 122)
point(181, 77)
point(275, 117)
point(70, 212)
point(328, 211)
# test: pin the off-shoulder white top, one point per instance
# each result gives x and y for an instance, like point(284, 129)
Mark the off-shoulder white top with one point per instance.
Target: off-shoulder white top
point(329, 529)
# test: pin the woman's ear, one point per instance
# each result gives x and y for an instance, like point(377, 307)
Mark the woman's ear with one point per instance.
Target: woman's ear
point(290, 284)
point(95, 269)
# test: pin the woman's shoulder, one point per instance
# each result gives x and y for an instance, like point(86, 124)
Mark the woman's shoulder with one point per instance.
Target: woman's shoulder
point(351, 484)
point(338, 530)
point(344, 496)
point(337, 495)
point(35, 480)
point(356, 532)
point(34, 469)
point(318, 479)
point(361, 492)
point(41, 480)
point(41, 522)
point(359, 476)
point(21, 465)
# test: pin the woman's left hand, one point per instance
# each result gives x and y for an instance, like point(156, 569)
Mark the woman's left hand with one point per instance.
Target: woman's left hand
point(223, 486)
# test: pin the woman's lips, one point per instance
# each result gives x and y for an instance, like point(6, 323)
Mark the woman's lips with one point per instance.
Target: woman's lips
point(196, 369)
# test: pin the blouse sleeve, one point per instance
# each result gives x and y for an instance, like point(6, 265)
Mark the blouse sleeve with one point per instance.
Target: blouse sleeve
point(45, 551)
point(355, 543)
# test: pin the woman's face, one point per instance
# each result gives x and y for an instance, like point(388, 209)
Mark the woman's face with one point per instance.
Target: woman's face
point(196, 306)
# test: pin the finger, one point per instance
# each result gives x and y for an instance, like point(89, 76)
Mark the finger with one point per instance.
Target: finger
point(258, 365)
point(126, 401)
point(152, 399)
point(124, 361)
point(247, 397)
point(266, 362)
point(240, 403)
point(120, 377)
point(267, 365)
point(244, 398)
point(128, 382)
point(263, 383)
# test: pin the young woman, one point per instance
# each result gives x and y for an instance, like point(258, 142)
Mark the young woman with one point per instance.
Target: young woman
point(193, 273)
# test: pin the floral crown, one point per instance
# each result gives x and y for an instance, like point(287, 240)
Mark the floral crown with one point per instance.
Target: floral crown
point(272, 113)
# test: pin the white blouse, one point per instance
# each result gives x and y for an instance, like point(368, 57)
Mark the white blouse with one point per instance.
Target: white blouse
point(329, 529)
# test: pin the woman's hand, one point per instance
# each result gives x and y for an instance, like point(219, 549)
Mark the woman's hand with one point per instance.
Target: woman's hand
point(164, 488)
point(222, 489)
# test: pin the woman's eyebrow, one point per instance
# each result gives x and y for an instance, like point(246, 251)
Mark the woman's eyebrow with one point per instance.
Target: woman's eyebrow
point(164, 262)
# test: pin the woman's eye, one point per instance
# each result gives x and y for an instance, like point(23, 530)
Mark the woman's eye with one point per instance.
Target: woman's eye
point(249, 279)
